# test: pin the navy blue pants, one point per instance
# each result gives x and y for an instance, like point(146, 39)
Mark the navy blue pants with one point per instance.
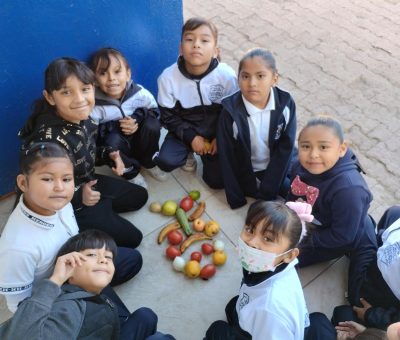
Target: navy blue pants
point(135, 150)
point(173, 154)
point(117, 196)
point(320, 327)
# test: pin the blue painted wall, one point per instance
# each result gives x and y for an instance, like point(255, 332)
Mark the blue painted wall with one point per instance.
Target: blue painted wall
point(32, 33)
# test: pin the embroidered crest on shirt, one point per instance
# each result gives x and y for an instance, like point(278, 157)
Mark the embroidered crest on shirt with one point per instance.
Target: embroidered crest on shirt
point(215, 92)
point(278, 131)
point(244, 300)
point(300, 188)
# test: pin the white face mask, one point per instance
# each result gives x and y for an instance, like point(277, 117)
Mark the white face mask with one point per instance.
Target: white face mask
point(256, 260)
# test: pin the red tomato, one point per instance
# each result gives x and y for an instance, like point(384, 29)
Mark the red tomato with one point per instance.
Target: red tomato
point(196, 256)
point(172, 252)
point(186, 203)
point(208, 271)
point(174, 237)
point(207, 248)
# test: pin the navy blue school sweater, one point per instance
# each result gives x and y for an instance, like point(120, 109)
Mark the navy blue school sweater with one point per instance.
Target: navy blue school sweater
point(234, 148)
point(342, 204)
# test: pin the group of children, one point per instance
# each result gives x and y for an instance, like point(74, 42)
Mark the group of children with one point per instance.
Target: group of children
point(244, 130)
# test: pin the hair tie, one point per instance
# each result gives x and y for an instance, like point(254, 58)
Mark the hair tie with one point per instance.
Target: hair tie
point(303, 210)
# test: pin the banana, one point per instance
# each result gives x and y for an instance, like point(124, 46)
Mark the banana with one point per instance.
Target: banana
point(192, 239)
point(164, 231)
point(198, 212)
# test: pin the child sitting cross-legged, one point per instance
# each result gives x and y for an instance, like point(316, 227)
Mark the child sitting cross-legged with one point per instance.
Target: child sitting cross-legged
point(69, 305)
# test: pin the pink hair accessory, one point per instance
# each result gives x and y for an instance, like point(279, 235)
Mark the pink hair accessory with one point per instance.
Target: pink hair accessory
point(303, 210)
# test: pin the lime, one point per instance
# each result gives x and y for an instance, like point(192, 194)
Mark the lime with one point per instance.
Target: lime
point(194, 194)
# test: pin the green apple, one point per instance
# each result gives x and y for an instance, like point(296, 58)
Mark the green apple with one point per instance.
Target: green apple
point(169, 208)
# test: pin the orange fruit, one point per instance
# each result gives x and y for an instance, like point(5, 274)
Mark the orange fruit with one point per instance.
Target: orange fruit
point(219, 257)
point(192, 269)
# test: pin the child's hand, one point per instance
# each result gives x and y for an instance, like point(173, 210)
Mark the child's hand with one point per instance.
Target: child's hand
point(198, 145)
point(65, 266)
point(128, 125)
point(213, 148)
point(349, 330)
point(119, 167)
point(90, 196)
point(360, 311)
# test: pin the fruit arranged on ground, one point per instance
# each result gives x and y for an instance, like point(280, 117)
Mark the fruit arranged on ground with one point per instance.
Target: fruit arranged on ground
point(196, 256)
point(218, 245)
point(186, 203)
point(208, 271)
point(219, 257)
point(174, 237)
point(169, 208)
point(194, 194)
point(172, 252)
point(198, 212)
point(192, 239)
point(192, 269)
point(179, 263)
point(207, 248)
point(183, 221)
point(166, 230)
point(155, 207)
point(211, 228)
point(198, 225)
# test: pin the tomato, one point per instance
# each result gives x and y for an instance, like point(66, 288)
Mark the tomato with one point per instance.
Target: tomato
point(196, 256)
point(174, 237)
point(186, 203)
point(172, 252)
point(208, 271)
point(207, 248)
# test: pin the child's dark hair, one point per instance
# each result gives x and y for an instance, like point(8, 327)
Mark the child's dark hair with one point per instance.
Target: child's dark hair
point(101, 60)
point(327, 121)
point(35, 153)
point(372, 334)
point(265, 55)
point(55, 76)
point(276, 218)
point(89, 239)
point(194, 23)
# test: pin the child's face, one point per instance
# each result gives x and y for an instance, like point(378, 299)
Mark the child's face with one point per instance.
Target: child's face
point(319, 149)
point(256, 81)
point(198, 48)
point(113, 81)
point(96, 272)
point(49, 187)
point(254, 237)
point(74, 101)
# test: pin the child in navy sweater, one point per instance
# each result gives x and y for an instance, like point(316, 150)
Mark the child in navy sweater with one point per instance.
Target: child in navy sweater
point(189, 97)
point(256, 133)
point(328, 177)
point(127, 114)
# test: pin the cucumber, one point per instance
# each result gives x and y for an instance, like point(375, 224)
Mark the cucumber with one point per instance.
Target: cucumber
point(183, 221)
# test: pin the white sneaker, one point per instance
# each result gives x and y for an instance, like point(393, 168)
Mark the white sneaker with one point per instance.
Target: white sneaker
point(191, 163)
point(138, 180)
point(158, 174)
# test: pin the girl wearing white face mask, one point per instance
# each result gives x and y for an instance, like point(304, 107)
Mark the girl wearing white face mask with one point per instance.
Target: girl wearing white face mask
point(271, 303)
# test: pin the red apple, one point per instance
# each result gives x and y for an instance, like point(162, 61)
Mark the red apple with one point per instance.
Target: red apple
point(207, 248)
point(208, 271)
point(172, 252)
point(174, 237)
point(196, 256)
point(186, 203)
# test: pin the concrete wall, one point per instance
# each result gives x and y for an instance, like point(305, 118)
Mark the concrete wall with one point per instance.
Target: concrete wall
point(32, 33)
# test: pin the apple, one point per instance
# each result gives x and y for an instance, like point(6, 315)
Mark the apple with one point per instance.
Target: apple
point(207, 248)
point(172, 252)
point(169, 208)
point(199, 224)
point(174, 237)
point(211, 228)
point(196, 256)
point(178, 264)
point(186, 203)
point(208, 271)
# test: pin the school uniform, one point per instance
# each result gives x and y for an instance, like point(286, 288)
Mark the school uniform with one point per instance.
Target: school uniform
point(116, 195)
point(190, 106)
point(136, 150)
point(255, 146)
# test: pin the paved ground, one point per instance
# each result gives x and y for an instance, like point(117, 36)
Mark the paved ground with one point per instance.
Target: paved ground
point(341, 57)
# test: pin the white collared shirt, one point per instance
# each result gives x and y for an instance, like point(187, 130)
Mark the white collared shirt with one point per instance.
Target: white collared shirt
point(259, 122)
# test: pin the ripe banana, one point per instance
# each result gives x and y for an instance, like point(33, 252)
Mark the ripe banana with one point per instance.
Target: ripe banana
point(164, 231)
point(198, 212)
point(192, 239)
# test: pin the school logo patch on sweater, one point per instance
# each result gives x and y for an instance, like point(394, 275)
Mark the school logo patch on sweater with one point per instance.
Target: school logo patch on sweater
point(216, 92)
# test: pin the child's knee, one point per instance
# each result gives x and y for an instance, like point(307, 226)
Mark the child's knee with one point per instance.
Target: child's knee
point(147, 316)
